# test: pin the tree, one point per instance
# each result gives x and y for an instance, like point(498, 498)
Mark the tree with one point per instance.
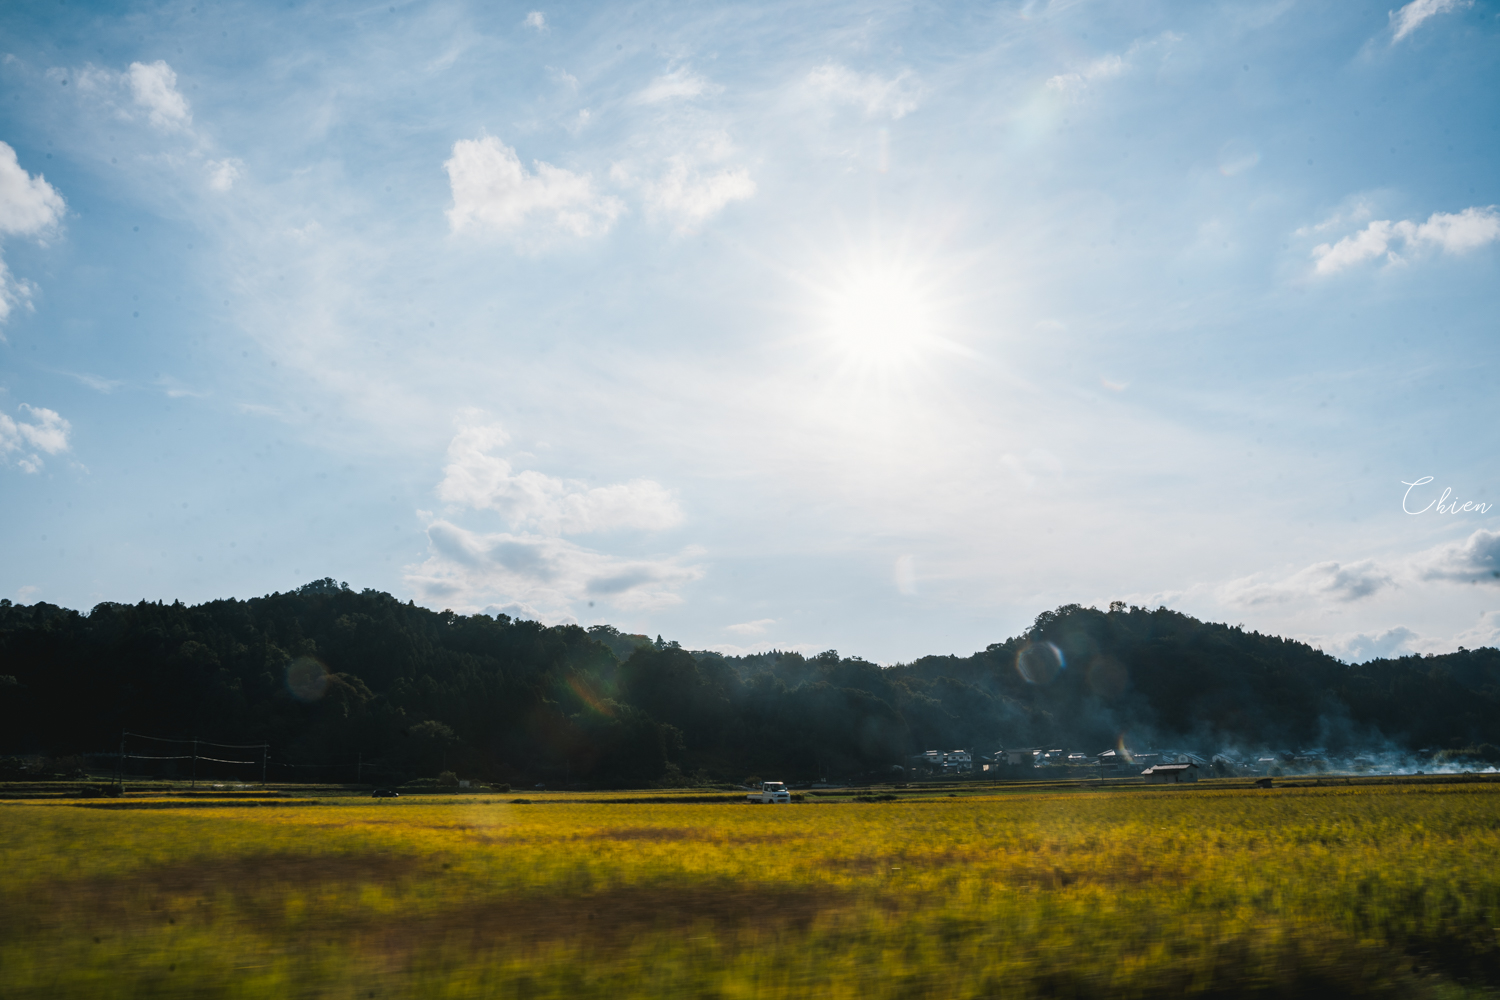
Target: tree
point(434, 738)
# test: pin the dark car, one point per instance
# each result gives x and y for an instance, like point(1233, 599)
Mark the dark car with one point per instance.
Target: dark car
point(385, 793)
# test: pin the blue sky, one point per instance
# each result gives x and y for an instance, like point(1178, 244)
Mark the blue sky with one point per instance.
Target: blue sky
point(873, 327)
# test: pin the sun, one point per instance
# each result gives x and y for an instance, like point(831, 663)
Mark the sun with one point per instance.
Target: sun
point(879, 316)
point(882, 323)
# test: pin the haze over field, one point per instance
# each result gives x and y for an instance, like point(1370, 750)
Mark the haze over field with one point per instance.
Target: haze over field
point(877, 327)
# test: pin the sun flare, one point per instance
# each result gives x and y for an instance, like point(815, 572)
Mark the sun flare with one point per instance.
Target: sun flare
point(881, 317)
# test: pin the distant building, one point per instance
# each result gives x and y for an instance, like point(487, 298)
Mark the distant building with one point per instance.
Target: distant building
point(1170, 774)
point(953, 760)
point(1113, 758)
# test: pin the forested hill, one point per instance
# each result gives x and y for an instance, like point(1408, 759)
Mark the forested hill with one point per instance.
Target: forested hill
point(327, 676)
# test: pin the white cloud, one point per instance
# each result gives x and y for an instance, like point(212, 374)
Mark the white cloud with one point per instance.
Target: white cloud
point(1402, 641)
point(1454, 233)
point(143, 87)
point(1106, 67)
point(28, 205)
point(491, 188)
point(96, 382)
point(1340, 582)
point(1409, 18)
point(547, 574)
point(693, 182)
point(677, 83)
point(1474, 560)
point(223, 173)
point(1362, 646)
point(1158, 599)
point(1372, 241)
point(13, 292)
point(878, 97)
point(757, 627)
point(175, 389)
point(906, 574)
point(154, 87)
point(1486, 633)
point(531, 565)
point(522, 610)
point(691, 194)
point(40, 431)
point(536, 19)
point(478, 479)
point(1100, 69)
point(1360, 210)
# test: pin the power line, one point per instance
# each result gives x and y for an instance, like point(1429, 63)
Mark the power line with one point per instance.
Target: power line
point(207, 743)
point(188, 756)
point(265, 762)
point(195, 756)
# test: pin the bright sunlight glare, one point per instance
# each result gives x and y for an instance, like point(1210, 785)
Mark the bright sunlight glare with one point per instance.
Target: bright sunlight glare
point(880, 317)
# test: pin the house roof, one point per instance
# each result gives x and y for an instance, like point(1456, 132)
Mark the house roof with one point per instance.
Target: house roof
point(1168, 767)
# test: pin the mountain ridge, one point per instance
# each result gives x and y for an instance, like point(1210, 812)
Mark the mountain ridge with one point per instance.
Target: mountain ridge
point(334, 678)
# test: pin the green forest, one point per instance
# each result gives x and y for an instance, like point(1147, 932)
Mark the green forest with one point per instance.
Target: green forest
point(339, 682)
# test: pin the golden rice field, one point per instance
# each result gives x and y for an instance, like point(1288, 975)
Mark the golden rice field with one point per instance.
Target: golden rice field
point(1336, 891)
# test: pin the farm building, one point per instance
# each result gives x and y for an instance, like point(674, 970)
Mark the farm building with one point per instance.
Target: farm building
point(1018, 757)
point(953, 760)
point(1170, 774)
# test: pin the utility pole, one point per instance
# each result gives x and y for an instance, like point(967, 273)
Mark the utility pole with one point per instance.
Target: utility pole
point(359, 770)
point(122, 763)
point(265, 751)
point(195, 762)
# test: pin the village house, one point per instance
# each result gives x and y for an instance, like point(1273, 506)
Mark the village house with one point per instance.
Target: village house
point(1111, 758)
point(953, 760)
point(1170, 774)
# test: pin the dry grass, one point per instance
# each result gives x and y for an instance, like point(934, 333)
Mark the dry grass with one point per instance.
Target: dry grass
point(1336, 891)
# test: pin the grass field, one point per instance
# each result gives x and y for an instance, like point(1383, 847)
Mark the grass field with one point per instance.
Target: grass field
point(1376, 890)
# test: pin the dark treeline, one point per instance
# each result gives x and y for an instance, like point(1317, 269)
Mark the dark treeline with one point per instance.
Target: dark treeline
point(327, 675)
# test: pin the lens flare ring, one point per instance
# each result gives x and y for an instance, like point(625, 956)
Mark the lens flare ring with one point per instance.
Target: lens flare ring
point(1040, 663)
point(306, 679)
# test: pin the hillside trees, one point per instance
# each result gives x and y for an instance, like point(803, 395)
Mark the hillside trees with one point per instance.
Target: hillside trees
point(329, 676)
